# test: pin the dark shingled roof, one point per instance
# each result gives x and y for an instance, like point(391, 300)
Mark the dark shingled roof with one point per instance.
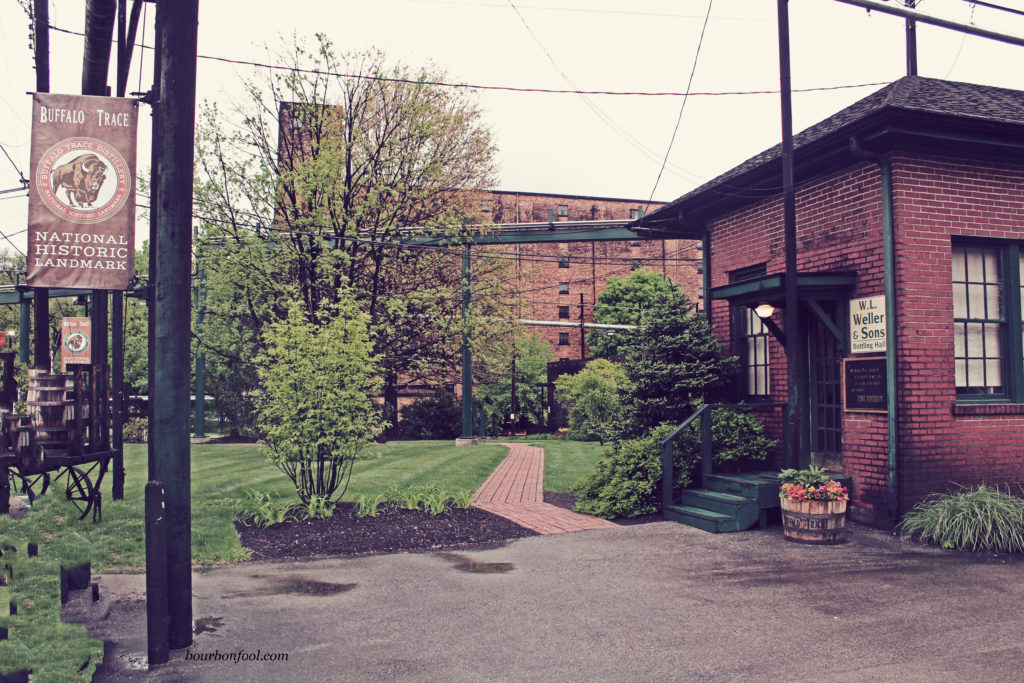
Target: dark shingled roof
point(911, 94)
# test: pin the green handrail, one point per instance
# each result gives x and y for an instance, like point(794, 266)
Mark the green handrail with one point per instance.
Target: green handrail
point(704, 415)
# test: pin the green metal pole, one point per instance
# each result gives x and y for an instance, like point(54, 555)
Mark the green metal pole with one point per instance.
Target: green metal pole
point(199, 411)
point(117, 392)
point(795, 359)
point(23, 331)
point(467, 354)
point(888, 252)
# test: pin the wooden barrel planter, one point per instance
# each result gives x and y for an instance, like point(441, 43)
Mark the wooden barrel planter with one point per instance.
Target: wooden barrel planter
point(814, 521)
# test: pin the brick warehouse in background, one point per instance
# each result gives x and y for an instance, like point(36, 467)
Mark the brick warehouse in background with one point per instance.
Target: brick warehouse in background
point(554, 276)
point(935, 169)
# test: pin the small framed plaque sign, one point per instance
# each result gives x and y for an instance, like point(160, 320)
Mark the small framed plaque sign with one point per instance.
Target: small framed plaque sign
point(864, 388)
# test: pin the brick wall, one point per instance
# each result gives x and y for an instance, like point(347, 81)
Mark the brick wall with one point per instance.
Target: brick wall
point(942, 442)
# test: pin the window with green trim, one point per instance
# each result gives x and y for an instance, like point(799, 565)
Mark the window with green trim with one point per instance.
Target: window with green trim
point(988, 362)
point(753, 344)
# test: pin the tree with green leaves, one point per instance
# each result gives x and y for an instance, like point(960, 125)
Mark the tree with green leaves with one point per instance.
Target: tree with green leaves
point(673, 362)
point(530, 369)
point(317, 183)
point(316, 409)
point(596, 396)
point(621, 303)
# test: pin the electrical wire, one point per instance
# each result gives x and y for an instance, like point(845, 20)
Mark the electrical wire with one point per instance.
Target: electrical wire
point(478, 86)
point(682, 106)
point(21, 175)
point(991, 5)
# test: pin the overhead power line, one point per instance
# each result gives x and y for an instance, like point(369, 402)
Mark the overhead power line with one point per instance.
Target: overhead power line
point(478, 86)
point(682, 106)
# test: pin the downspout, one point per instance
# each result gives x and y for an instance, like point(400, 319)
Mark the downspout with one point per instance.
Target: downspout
point(705, 242)
point(889, 259)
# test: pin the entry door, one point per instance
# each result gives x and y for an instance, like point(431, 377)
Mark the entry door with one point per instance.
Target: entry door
point(826, 407)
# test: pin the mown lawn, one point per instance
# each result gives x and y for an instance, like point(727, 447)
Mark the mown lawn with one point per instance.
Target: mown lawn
point(567, 461)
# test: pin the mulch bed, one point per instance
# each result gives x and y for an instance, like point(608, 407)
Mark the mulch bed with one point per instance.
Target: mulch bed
point(396, 530)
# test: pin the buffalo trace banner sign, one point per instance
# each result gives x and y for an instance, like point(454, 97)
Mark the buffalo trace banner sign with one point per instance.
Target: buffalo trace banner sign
point(81, 211)
point(75, 348)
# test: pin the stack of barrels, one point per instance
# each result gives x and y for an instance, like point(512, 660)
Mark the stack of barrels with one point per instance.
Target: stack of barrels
point(48, 408)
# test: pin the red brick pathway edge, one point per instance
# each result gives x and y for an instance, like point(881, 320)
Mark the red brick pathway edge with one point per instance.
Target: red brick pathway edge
point(515, 491)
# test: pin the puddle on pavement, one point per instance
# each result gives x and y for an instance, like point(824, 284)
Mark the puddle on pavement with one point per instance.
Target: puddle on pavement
point(294, 584)
point(207, 624)
point(464, 564)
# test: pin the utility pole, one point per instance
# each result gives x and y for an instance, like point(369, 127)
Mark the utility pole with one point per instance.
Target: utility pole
point(911, 41)
point(583, 332)
point(41, 295)
point(99, 32)
point(795, 367)
point(177, 33)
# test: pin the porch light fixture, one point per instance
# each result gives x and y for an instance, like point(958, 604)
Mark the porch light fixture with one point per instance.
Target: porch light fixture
point(764, 310)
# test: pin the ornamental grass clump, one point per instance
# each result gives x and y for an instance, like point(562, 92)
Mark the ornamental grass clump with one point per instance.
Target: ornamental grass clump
point(980, 518)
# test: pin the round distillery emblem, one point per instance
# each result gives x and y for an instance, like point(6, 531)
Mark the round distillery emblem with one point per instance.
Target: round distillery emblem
point(76, 341)
point(83, 180)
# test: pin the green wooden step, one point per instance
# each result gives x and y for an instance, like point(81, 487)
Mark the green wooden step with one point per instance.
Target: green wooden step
point(707, 520)
point(762, 487)
point(724, 503)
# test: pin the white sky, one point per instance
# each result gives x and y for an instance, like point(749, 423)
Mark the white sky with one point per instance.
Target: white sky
point(557, 142)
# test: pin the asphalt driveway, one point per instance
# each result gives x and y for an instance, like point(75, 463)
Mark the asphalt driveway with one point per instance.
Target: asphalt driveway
point(650, 602)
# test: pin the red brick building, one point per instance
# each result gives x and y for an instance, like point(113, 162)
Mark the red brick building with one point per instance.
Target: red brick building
point(558, 279)
point(910, 238)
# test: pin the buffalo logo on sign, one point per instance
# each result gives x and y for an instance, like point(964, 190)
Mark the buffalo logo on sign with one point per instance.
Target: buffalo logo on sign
point(82, 207)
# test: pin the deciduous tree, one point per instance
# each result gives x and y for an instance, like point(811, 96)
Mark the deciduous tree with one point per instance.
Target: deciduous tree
point(366, 152)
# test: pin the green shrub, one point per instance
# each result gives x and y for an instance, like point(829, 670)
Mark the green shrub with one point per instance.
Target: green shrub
point(595, 395)
point(136, 430)
point(627, 480)
point(434, 417)
point(975, 519)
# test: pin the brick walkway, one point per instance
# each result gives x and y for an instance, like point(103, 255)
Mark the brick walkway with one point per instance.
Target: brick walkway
point(515, 491)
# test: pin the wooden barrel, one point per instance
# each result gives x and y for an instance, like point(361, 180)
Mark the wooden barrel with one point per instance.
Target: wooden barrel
point(814, 521)
point(46, 403)
point(18, 430)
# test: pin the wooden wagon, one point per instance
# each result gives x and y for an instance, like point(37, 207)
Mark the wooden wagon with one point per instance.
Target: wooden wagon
point(62, 438)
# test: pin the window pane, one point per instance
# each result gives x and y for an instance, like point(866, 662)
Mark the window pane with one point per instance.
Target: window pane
point(994, 301)
point(959, 264)
point(959, 348)
point(976, 301)
point(960, 372)
point(975, 372)
point(992, 270)
point(993, 374)
point(974, 339)
point(992, 341)
point(959, 301)
point(975, 265)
